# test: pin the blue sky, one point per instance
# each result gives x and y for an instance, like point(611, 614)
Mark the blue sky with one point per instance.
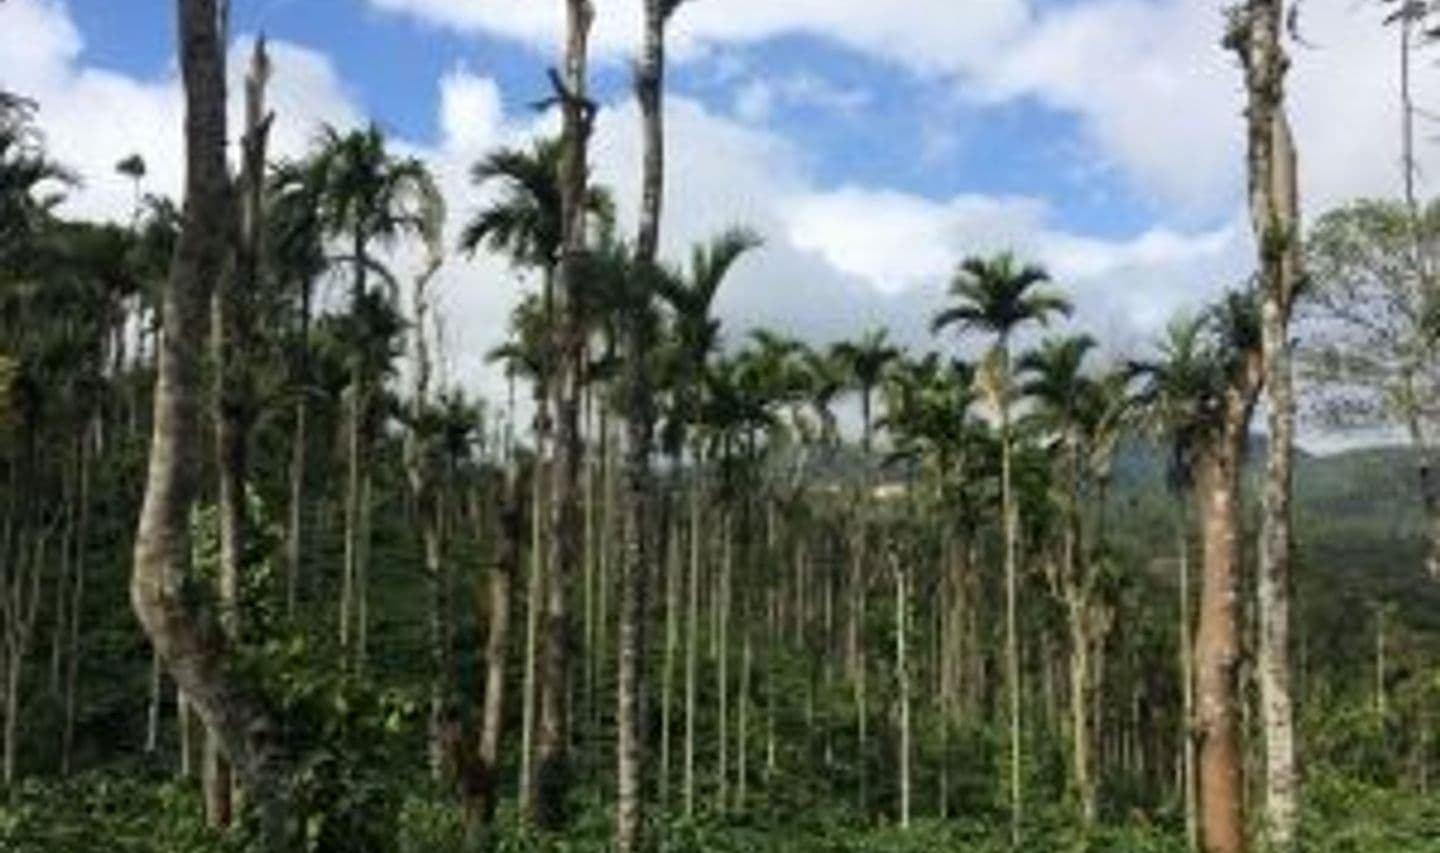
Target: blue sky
point(873, 144)
point(391, 62)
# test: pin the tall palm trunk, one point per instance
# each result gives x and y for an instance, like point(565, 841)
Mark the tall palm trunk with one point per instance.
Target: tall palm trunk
point(635, 564)
point(534, 596)
point(552, 759)
point(1187, 679)
point(510, 536)
point(902, 681)
point(692, 625)
point(428, 509)
point(197, 654)
point(77, 601)
point(298, 441)
point(1010, 520)
point(352, 604)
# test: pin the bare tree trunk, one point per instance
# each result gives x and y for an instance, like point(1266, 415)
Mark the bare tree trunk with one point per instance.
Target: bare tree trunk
point(197, 654)
point(674, 575)
point(77, 607)
point(418, 463)
point(1274, 209)
point(1217, 652)
point(298, 441)
point(18, 612)
point(692, 627)
point(1011, 522)
point(552, 758)
point(1187, 680)
point(511, 530)
point(231, 335)
point(635, 565)
point(902, 680)
point(534, 595)
point(722, 669)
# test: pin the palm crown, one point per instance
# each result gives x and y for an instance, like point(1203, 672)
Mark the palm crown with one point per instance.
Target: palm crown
point(996, 295)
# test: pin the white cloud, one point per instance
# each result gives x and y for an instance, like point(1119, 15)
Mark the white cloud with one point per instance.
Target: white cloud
point(92, 117)
point(1149, 83)
point(1160, 100)
point(836, 260)
point(923, 35)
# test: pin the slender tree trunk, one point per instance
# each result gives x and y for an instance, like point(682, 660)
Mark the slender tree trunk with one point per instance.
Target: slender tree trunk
point(1187, 680)
point(196, 654)
point(635, 566)
point(1274, 207)
point(692, 626)
point(298, 445)
point(511, 534)
point(722, 669)
point(1011, 519)
point(1081, 699)
point(534, 596)
point(552, 759)
point(77, 607)
point(902, 681)
point(674, 576)
point(427, 507)
point(20, 610)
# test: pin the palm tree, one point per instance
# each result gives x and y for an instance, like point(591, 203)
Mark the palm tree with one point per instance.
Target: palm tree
point(1083, 415)
point(865, 361)
point(1175, 386)
point(366, 195)
point(526, 223)
point(297, 258)
point(1203, 390)
point(996, 296)
point(696, 335)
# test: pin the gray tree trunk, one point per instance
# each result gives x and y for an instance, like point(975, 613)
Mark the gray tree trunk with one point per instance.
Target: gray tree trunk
point(552, 752)
point(196, 653)
point(1274, 210)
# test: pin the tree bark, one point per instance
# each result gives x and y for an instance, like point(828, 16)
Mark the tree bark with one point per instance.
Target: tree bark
point(194, 648)
point(294, 531)
point(902, 681)
point(1011, 522)
point(231, 335)
point(1274, 210)
point(1220, 763)
point(552, 758)
point(692, 624)
point(636, 560)
point(1187, 679)
point(511, 535)
point(418, 463)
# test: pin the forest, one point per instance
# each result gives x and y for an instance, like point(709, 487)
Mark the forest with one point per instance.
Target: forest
point(273, 578)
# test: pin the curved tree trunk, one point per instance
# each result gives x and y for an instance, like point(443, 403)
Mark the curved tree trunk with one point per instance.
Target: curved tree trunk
point(194, 649)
